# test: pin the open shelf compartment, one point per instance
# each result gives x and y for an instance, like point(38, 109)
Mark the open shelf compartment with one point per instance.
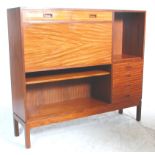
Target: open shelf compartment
point(71, 109)
point(128, 35)
point(65, 74)
point(68, 109)
point(84, 95)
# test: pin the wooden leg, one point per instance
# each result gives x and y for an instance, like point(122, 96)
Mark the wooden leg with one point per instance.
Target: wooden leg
point(16, 127)
point(120, 111)
point(138, 115)
point(27, 137)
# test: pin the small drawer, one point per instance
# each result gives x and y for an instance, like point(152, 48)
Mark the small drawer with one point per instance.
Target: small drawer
point(91, 15)
point(121, 90)
point(46, 15)
point(122, 98)
point(121, 85)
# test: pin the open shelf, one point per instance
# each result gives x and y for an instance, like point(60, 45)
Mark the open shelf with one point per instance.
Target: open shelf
point(61, 76)
point(128, 35)
point(70, 109)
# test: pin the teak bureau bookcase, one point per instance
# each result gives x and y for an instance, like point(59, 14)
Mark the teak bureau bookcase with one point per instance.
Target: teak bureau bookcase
point(72, 63)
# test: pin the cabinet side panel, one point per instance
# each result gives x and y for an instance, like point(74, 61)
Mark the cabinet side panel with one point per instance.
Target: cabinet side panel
point(16, 62)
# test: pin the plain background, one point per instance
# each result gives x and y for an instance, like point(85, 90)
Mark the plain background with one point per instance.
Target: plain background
point(148, 116)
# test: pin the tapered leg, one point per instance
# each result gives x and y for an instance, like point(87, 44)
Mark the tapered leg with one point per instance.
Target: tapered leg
point(27, 137)
point(138, 115)
point(16, 127)
point(120, 111)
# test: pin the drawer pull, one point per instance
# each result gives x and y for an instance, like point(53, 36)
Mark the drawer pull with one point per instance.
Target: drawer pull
point(92, 16)
point(47, 15)
point(127, 96)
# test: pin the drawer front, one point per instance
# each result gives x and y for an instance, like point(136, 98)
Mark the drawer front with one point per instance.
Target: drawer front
point(127, 82)
point(121, 74)
point(46, 15)
point(66, 15)
point(91, 16)
point(121, 93)
point(64, 45)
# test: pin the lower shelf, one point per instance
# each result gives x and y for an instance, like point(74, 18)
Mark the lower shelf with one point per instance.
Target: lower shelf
point(68, 110)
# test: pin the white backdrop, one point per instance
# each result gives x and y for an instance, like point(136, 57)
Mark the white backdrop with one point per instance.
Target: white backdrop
point(149, 61)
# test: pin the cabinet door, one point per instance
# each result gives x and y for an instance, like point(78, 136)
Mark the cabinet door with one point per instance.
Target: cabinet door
point(127, 82)
point(66, 45)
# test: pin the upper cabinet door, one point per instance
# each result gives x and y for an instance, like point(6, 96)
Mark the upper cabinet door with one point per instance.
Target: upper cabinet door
point(67, 43)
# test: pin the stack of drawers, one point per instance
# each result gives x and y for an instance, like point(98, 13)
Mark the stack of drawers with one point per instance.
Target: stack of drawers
point(127, 81)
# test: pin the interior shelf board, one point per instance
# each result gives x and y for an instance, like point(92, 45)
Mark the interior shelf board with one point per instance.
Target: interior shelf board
point(70, 109)
point(125, 57)
point(65, 76)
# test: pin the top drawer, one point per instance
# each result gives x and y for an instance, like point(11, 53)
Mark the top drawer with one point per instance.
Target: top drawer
point(91, 16)
point(46, 15)
point(66, 15)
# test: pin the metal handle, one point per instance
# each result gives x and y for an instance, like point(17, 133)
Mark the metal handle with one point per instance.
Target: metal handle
point(47, 15)
point(92, 16)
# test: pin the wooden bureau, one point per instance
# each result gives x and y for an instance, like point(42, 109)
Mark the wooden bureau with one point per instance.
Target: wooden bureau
point(72, 63)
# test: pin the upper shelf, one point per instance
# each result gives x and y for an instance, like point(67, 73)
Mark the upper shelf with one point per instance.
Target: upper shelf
point(65, 76)
point(124, 57)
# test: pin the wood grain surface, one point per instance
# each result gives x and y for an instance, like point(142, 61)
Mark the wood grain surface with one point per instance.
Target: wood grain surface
point(51, 93)
point(55, 46)
point(71, 109)
point(16, 63)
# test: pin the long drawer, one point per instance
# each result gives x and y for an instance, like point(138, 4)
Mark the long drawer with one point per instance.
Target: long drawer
point(127, 82)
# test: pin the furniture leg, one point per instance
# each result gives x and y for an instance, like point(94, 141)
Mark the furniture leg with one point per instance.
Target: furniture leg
point(120, 111)
point(16, 127)
point(27, 137)
point(138, 115)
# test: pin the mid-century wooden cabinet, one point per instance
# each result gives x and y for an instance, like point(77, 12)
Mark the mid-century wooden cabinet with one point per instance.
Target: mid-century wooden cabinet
point(68, 63)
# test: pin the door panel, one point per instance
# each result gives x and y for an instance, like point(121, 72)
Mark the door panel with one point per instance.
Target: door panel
point(64, 45)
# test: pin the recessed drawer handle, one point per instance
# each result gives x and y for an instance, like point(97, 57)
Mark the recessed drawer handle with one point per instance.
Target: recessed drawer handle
point(127, 96)
point(47, 15)
point(92, 16)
